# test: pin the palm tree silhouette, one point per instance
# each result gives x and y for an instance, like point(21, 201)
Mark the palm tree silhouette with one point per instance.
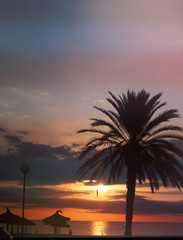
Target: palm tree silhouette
point(138, 140)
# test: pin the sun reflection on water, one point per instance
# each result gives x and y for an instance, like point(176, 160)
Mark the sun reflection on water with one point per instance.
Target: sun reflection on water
point(99, 228)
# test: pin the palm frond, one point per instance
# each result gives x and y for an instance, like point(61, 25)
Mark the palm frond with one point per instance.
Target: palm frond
point(91, 163)
point(136, 137)
point(166, 128)
point(163, 117)
point(100, 122)
point(167, 136)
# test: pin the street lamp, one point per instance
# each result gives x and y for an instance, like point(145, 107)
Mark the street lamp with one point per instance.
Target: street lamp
point(24, 169)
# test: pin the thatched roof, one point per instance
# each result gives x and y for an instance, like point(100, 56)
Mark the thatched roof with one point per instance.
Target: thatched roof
point(10, 218)
point(56, 220)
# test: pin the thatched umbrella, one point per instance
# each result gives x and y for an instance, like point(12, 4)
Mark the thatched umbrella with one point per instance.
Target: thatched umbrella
point(11, 219)
point(57, 221)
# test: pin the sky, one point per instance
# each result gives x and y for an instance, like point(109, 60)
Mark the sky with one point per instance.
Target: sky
point(58, 59)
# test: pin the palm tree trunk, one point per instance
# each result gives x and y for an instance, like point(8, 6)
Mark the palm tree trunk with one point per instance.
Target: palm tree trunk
point(131, 182)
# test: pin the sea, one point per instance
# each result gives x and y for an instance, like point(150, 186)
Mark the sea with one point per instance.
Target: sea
point(99, 228)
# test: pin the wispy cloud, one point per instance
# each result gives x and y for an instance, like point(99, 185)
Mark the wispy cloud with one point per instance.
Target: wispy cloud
point(100, 101)
point(5, 103)
point(45, 93)
point(22, 132)
point(24, 116)
point(2, 130)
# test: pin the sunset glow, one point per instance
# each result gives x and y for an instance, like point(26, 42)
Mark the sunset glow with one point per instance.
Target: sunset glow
point(108, 197)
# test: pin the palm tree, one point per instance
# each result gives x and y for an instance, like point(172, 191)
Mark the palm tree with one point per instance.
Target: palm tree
point(138, 140)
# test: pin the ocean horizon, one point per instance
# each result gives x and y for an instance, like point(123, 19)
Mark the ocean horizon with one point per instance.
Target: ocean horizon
point(100, 228)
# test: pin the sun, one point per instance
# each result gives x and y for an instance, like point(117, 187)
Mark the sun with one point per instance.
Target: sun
point(101, 188)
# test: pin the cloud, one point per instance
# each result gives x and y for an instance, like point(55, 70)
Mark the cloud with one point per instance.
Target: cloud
point(5, 104)
point(44, 93)
point(90, 183)
point(37, 197)
point(48, 198)
point(31, 149)
point(117, 197)
point(23, 132)
point(49, 165)
point(146, 206)
point(2, 130)
point(11, 139)
point(100, 101)
point(64, 151)
point(43, 171)
point(76, 145)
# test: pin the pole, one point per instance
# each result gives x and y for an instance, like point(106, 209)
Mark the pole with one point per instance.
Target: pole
point(24, 169)
point(23, 203)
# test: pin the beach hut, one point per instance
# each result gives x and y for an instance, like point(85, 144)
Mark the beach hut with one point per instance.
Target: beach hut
point(57, 221)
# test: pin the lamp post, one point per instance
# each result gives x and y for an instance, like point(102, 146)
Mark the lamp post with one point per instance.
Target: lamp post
point(24, 169)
